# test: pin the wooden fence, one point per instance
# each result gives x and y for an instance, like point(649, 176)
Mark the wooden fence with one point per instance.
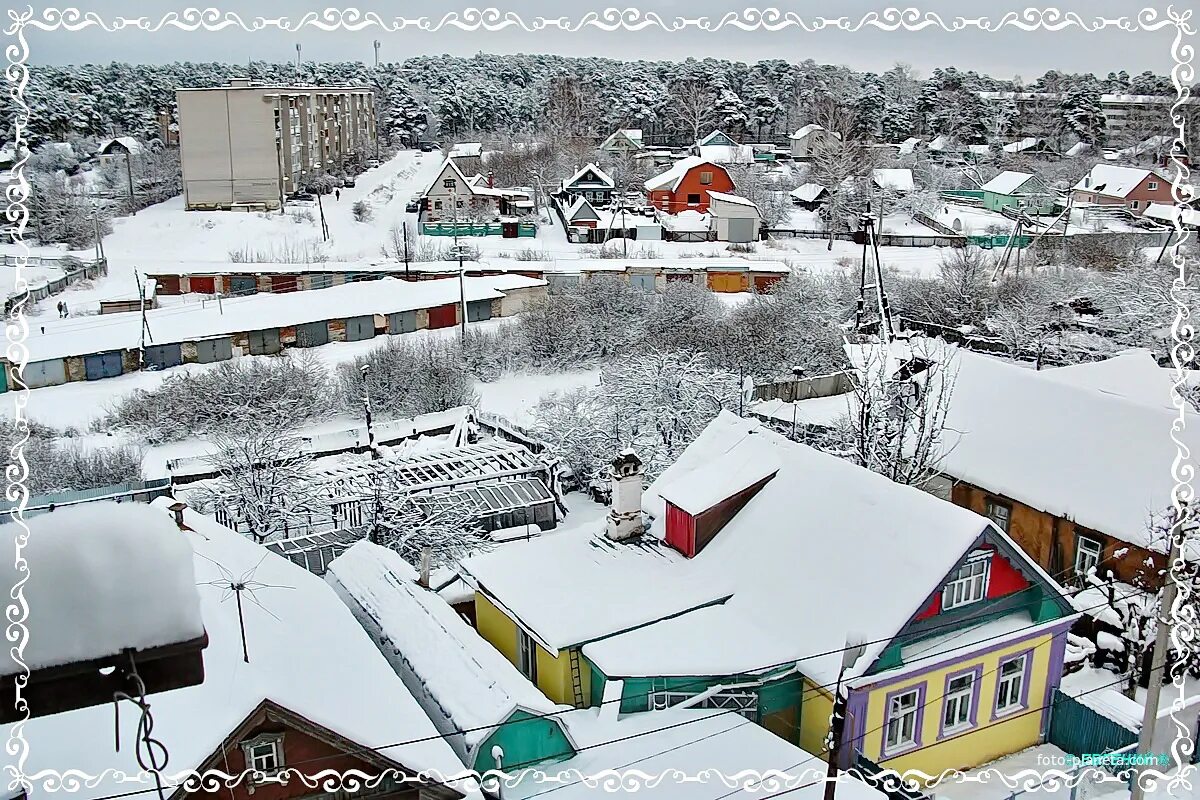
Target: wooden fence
point(790, 390)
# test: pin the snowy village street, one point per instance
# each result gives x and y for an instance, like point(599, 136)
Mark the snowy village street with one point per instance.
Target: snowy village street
point(437, 411)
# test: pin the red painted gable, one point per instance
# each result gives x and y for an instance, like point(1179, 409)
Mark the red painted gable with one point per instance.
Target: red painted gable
point(681, 530)
point(1003, 579)
point(675, 201)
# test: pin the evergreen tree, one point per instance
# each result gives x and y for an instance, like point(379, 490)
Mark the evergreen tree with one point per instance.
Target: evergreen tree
point(1084, 116)
point(868, 108)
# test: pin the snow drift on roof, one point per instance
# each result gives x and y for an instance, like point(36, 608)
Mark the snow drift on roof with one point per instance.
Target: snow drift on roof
point(603, 176)
point(732, 199)
point(807, 129)
point(1111, 180)
point(808, 192)
point(93, 569)
point(1079, 148)
point(727, 154)
point(1133, 375)
point(464, 675)
point(1007, 182)
point(307, 653)
point(1167, 213)
point(671, 178)
point(900, 180)
point(704, 487)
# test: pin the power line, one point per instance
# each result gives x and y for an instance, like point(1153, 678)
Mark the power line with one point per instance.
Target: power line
point(551, 714)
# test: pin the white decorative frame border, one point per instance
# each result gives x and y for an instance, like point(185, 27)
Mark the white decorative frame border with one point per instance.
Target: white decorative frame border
point(1183, 469)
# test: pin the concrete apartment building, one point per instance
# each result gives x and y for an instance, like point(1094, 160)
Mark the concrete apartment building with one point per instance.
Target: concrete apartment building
point(1139, 115)
point(251, 144)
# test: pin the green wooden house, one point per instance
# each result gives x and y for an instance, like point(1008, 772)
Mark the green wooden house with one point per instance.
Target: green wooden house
point(474, 696)
point(1020, 190)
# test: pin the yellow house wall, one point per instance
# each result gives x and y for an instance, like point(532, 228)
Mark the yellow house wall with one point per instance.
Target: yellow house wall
point(987, 740)
point(816, 707)
point(553, 672)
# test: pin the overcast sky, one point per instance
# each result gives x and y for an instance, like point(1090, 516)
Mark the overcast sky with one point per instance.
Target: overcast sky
point(1003, 54)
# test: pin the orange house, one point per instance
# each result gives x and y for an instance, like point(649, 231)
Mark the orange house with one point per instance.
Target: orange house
point(1133, 188)
point(685, 186)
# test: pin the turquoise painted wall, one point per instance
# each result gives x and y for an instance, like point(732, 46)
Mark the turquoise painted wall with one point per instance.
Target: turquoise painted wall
point(526, 739)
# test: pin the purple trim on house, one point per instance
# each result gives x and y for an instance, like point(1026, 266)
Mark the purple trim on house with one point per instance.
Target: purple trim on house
point(853, 732)
point(918, 722)
point(976, 687)
point(1058, 627)
point(1027, 654)
point(1058, 652)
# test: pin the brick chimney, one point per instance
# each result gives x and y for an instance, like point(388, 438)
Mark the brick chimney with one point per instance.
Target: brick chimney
point(625, 516)
point(177, 508)
point(491, 180)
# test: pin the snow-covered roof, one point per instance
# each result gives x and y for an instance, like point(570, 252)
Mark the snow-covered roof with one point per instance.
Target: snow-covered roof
point(709, 484)
point(443, 660)
point(1077, 149)
point(466, 150)
point(1021, 145)
point(1167, 213)
point(603, 177)
point(812, 127)
point(638, 584)
point(908, 146)
point(732, 199)
point(306, 653)
point(580, 204)
point(727, 154)
point(1133, 375)
point(1111, 180)
point(77, 336)
point(899, 179)
point(696, 745)
point(808, 192)
point(671, 178)
point(1007, 182)
point(91, 570)
point(128, 142)
point(881, 528)
point(169, 267)
point(687, 220)
point(634, 135)
point(1096, 458)
point(939, 142)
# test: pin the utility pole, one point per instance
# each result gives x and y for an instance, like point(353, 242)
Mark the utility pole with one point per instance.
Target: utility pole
point(462, 283)
point(371, 443)
point(129, 175)
point(297, 62)
point(1158, 661)
point(145, 323)
point(837, 722)
point(376, 54)
point(96, 229)
point(324, 227)
point(404, 228)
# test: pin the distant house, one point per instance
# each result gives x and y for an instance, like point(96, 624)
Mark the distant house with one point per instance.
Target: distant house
point(1079, 149)
point(686, 185)
point(808, 139)
point(590, 183)
point(810, 196)
point(581, 214)
point(468, 156)
point(908, 146)
point(1030, 146)
point(1022, 190)
point(453, 195)
point(897, 181)
point(719, 148)
point(735, 219)
point(115, 150)
point(625, 140)
point(1167, 214)
point(1133, 188)
point(716, 603)
point(270, 699)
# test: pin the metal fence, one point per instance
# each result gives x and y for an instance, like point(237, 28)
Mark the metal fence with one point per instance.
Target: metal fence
point(74, 270)
point(885, 239)
point(130, 491)
point(1080, 730)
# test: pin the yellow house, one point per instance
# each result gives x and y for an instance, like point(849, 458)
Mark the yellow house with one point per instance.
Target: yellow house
point(772, 573)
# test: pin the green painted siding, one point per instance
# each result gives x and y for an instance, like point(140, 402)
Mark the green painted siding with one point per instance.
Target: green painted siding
point(525, 739)
point(598, 681)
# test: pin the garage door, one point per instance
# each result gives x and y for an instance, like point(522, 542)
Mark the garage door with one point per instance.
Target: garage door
point(643, 282)
point(479, 310)
point(443, 316)
point(203, 284)
point(402, 322)
point(163, 356)
point(242, 285)
point(102, 365)
point(264, 343)
point(741, 230)
point(312, 334)
point(763, 283)
point(44, 373)
point(562, 281)
point(3, 378)
point(321, 280)
point(359, 328)
point(167, 284)
point(726, 281)
point(283, 283)
point(212, 350)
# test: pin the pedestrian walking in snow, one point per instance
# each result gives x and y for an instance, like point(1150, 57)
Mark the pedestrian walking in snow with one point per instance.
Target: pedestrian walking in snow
point(60, 309)
point(337, 194)
point(66, 311)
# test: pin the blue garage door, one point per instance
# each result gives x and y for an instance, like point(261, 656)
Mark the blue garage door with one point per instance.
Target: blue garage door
point(359, 328)
point(402, 322)
point(211, 350)
point(479, 310)
point(102, 365)
point(312, 334)
point(162, 356)
point(264, 343)
point(642, 281)
point(242, 285)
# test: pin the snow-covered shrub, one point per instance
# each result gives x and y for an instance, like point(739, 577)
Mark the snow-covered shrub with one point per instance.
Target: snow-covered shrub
point(490, 352)
point(287, 251)
point(228, 397)
point(58, 465)
point(595, 321)
point(409, 377)
point(361, 211)
point(741, 247)
point(685, 316)
point(530, 254)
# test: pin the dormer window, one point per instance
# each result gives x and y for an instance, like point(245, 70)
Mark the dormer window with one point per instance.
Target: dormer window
point(264, 753)
point(969, 584)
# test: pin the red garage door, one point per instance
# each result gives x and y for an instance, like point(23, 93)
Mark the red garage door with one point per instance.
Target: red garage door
point(763, 283)
point(167, 284)
point(205, 284)
point(283, 283)
point(444, 316)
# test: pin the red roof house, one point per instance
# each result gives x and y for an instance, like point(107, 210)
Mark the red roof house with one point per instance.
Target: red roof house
point(1133, 188)
point(686, 185)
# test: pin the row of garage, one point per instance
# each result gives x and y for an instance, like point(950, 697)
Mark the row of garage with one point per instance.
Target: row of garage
point(720, 281)
point(269, 341)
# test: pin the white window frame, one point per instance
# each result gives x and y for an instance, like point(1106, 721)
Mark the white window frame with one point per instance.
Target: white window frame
point(272, 740)
point(526, 655)
point(1009, 685)
point(894, 737)
point(958, 704)
point(1152, 186)
point(1135, 205)
point(1081, 552)
point(970, 583)
point(994, 506)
